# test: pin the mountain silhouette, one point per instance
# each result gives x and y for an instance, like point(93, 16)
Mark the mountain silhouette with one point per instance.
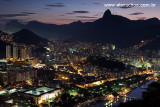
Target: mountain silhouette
point(26, 36)
point(13, 26)
point(114, 29)
point(154, 45)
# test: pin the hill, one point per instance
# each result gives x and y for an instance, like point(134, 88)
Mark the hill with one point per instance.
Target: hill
point(103, 63)
point(114, 29)
point(29, 38)
point(154, 45)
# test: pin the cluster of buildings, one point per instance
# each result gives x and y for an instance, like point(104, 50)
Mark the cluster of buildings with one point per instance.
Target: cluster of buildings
point(19, 74)
point(64, 55)
point(41, 94)
point(72, 52)
point(65, 63)
point(17, 53)
point(11, 73)
point(11, 77)
point(20, 78)
point(6, 37)
point(89, 75)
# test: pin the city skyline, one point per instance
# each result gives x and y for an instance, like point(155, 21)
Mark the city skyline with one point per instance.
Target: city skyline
point(64, 12)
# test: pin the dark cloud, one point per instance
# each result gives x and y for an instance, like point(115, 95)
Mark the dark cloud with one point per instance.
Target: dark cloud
point(13, 15)
point(85, 17)
point(17, 20)
point(136, 13)
point(28, 13)
point(97, 3)
point(78, 12)
point(141, 18)
point(56, 5)
point(17, 15)
point(91, 4)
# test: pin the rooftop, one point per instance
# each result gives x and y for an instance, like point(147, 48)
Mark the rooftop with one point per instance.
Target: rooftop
point(39, 91)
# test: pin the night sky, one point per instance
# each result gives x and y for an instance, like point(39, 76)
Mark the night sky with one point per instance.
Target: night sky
point(67, 11)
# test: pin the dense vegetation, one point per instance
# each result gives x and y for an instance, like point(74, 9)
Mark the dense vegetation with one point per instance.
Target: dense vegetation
point(102, 62)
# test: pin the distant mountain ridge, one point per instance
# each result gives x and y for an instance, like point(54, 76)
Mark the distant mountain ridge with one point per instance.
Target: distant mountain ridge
point(114, 29)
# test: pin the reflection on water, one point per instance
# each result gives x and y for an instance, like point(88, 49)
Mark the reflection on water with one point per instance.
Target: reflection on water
point(138, 91)
point(135, 93)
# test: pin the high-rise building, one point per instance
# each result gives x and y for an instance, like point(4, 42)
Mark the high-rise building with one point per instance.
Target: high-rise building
point(8, 51)
point(4, 77)
point(3, 64)
point(15, 53)
point(28, 53)
point(13, 76)
point(23, 54)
